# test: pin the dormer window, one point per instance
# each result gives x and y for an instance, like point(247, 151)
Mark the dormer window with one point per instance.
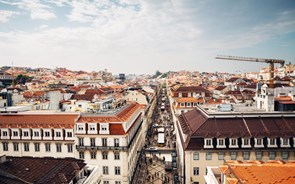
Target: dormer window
point(104, 128)
point(4, 133)
point(272, 142)
point(91, 127)
point(26, 134)
point(259, 142)
point(80, 127)
point(208, 143)
point(36, 133)
point(221, 143)
point(15, 133)
point(233, 143)
point(182, 105)
point(47, 134)
point(285, 142)
point(246, 143)
point(189, 104)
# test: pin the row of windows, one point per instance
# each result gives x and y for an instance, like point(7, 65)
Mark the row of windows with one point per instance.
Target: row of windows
point(104, 155)
point(93, 142)
point(233, 142)
point(26, 147)
point(107, 182)
point(16, 133)
point(105, 170)
point(246, 155)
point(92, 127)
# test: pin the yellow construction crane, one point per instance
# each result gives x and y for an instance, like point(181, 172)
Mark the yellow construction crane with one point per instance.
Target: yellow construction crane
point(271, 63)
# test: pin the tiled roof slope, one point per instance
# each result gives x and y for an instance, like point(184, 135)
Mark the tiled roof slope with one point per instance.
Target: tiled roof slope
point(197, 123)
point(39, 170)
point(37, 120)
point(191, 89)
point(258, 172)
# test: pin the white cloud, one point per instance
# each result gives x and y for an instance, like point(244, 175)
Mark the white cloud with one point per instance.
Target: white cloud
point(36, 9)
point(6, 14)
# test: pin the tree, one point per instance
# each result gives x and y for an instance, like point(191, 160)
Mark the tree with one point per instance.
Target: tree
point(22, 79)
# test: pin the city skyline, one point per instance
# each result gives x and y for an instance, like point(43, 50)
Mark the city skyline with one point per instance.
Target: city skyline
point(130, 36)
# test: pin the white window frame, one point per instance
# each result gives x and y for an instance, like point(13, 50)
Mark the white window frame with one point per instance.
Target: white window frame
point(269, 140)
point(236, 145)
point(104, 128)
point(256, 145)
point(196, 171)
point(182, 104)
point(246, 145)
point(287, 145)
point(208, 143)
point(220, 145)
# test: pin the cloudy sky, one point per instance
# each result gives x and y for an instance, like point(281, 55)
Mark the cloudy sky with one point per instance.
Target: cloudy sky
point(135, 36)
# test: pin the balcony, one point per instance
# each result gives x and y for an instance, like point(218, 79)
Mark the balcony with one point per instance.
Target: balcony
point(82, 148)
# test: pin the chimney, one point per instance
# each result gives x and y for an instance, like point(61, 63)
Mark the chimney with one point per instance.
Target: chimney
point(2, 158)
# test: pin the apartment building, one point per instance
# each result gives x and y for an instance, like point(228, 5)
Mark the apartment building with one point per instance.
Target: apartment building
point(207, 138)
point(109, 140)
point(38, 135)
point(112, 141)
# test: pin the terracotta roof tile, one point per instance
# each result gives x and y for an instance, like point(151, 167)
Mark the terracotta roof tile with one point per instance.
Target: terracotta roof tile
point(37, 120)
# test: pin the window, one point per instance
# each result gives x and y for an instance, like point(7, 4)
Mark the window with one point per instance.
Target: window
point(15, 133)
point(104, 142)
point(26, 134)
point(189, 104)
point(233, 155)
point(182, 105)
point(233, 142)
point(26, 146)
point(15, 146)
point(208, 156)
point(117, 170)
point(259, 141)
point(57, 134)
point(246, 155)
point(196, 156)
point(47, 147)
point(37, 147)
point(272, 155)
point(81, 141)
point(246, 142)
point(208, 142)
point(105, 170)
point(272, 142)
point(4, 133)
point(104, 155)
point(70, 148)
point(117, 155)
point(196, 171)
point(104, 127)
point(116, 142)
point(285, 141)
point(5, 146)
point(105, 182)
point(220, 142)
point(285, 155)
point(220, 155)
point(92, 127)
point(69, 134)
point(195, 104)
point(58, 147)
point(80, 127)
point(81, 155)
point(92, 141)
point(47, 134)
point(93, 154)
point(117, 182)
point(258, 155)
point(36, 133)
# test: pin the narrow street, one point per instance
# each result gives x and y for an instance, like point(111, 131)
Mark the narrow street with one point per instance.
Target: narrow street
point(158, 157)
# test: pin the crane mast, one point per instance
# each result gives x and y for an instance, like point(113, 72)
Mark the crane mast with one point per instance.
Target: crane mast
point(271, 63)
